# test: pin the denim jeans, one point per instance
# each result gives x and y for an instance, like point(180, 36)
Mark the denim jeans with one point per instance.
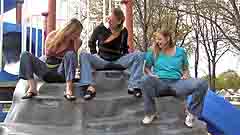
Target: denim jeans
point(133, 61)
point(155, 87)
point(30, 65)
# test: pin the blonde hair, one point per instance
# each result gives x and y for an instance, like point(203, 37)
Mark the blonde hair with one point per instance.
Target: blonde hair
point(60, 35)
point(166, 34)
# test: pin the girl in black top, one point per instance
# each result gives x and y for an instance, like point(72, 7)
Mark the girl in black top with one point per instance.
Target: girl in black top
point(113, 48)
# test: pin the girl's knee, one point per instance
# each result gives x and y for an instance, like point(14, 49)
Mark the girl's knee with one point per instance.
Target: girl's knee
point(84, 55)
point(71, 57)
point(139, 55)
point(146, 79)
point(70, 54)
point(147, 83)
point(204, 85)
point(25, 56)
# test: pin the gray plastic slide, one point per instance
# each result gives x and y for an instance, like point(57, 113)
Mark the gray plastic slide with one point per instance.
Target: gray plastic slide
point(112, 112)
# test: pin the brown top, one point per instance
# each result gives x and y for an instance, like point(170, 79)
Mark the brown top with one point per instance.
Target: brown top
point(60, 50)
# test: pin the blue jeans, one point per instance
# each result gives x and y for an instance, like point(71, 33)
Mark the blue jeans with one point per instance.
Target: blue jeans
point(134, 62)
point(30, 65)
point(154, 87)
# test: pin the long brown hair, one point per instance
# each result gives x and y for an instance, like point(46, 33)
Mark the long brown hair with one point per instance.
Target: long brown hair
point(165, 34)
point(120, 16)
point(61, 34)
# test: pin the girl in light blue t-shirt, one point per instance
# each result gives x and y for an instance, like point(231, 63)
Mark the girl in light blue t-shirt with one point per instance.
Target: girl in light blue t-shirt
point(167, 74)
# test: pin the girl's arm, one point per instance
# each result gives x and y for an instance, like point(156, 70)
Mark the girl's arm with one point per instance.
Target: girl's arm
point(125, 41)
point(149, 63)
point(186, 73)
point(77, 44)
point(92, 41)
point(148, 71)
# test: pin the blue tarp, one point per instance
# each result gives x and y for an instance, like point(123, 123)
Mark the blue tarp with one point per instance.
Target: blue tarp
point(8, 5)
point(222, 117)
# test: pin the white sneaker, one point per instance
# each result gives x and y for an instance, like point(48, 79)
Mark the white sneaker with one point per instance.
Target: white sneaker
point(189, 121)
point(149, 119)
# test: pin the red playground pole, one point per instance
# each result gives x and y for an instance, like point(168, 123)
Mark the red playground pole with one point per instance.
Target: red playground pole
point(19, 11)
point(51, 18)
point(129, 22)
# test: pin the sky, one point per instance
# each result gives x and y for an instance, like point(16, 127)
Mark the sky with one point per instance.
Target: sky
point(227, 62)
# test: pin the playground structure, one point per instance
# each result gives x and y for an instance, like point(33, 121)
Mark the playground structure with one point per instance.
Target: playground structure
point(23, 26)
point(45, 22)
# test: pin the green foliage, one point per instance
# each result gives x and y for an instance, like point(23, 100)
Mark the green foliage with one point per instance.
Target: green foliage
point(228, 80)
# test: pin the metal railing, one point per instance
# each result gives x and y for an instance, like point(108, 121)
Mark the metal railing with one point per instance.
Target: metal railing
point(1, 32)
point(34, 23)
point(29, 24)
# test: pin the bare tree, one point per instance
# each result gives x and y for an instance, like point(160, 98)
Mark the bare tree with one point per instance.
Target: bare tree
point(212, 40)
point(196, 40)
point(150, 16)
point(228, 13)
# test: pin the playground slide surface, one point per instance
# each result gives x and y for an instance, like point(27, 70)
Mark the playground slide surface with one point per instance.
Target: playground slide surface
point(112, 112)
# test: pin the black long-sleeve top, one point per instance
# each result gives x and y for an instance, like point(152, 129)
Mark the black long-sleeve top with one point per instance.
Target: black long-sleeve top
point(109, 51)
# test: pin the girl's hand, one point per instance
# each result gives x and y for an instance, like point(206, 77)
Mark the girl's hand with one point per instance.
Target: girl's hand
point(184, 77)
point(186, 73)
point(77, 44)
point(155, 76)
point(148, 72)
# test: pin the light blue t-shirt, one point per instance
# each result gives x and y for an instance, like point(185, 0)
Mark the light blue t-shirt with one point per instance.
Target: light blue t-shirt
point(165, 66)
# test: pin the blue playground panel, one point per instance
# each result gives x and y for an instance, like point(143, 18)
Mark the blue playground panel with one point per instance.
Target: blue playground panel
point(8, 5)
point(9, 27)
point(6, 77)
point(213, 130)
point(3, 116)
point(220, 115)
point(2, 113)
